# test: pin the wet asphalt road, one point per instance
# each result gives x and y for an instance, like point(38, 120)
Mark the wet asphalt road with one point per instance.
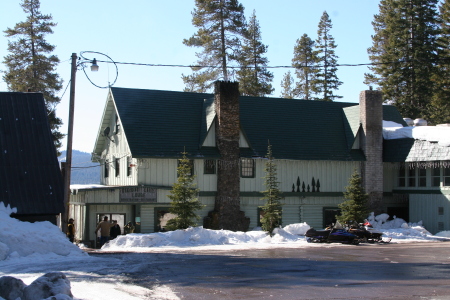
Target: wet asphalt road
point(385, 271)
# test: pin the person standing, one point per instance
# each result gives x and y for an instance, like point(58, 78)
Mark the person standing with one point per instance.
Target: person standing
point(71, 231)
point(115, 230)
point(105, 228)
point(129, 228)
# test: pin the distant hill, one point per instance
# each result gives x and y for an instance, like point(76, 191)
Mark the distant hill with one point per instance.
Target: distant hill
point(83, 170)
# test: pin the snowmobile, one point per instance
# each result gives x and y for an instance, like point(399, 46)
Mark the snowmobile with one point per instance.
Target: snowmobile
point(366, 233)
point(334, 234)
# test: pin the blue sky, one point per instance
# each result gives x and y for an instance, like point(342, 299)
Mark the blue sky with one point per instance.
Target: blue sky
point(152, 31)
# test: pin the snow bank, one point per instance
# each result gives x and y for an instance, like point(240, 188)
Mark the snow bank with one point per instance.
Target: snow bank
point(19, 239)
point(199, 236)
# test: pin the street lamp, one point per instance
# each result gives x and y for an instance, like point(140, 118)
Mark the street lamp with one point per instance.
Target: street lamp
point(67, 172)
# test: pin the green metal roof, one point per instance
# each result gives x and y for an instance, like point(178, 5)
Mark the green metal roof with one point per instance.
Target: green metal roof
point(164, 123)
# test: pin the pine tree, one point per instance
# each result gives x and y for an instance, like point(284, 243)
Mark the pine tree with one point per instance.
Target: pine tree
point(355, 207)
point(221, 25)
point(404, 54)
point(439, 108)
point(305, 62)
point(272, 211)
point(326, 79)
point(30, 64)
point(184, 197)
point(253, 77)
point(287, 86)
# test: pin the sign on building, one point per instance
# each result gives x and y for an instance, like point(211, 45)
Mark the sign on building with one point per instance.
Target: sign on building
point(138, 194)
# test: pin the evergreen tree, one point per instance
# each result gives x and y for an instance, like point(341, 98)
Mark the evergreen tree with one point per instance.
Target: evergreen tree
point(439, 108)
point(272, 195)
point(305, 62)
point(355, 207)
point(184, 197)
point(287, 86)
point(326, 79)
point(221, 24)
point(30, 64)
point(404, 54)
point(253, 77)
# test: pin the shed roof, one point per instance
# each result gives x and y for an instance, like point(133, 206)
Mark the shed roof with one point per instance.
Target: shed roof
point(30, 177)
point(164, 123)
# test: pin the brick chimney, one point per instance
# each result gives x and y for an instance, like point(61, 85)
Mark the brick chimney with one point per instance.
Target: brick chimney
point(371, 116)
point(227, 212)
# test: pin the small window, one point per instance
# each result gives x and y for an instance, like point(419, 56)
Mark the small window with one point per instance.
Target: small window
point(106, 168)
point(402, 177)
point(191, 163)
point(247, 168)
point(422, 177)
point(436, 177)
point(440, 210)
point(209, 166)
point(446, 176)
point(440, 226)
point(117, 166)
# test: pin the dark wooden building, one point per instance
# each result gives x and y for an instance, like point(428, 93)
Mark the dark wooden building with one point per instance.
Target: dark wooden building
point(30, 177)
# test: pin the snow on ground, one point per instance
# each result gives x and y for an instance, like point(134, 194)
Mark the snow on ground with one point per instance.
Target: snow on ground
point(29, 250)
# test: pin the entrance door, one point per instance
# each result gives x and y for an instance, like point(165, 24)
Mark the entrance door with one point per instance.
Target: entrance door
point(120, 218)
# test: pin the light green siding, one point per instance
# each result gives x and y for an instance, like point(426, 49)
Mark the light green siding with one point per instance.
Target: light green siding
point(425, 208)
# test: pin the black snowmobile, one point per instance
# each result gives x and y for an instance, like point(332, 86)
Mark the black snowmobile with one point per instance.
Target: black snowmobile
point(366, 233)
point(334, 234)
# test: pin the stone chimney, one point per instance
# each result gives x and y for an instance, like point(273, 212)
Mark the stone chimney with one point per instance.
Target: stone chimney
point(227, 212)
point(371, 116)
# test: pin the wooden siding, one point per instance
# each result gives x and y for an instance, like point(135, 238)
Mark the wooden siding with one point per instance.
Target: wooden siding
point(78, 213)
point(163, 172)
point(425, 208)
point(333, 175)
point(116, 147)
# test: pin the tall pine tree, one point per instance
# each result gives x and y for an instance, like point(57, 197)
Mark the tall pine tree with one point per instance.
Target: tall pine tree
point(287, 86)
point(326, 79)
point(439, 108)
point(272, 211)
point(253, 77)
point(305, 62)
point(404, 54)
point(30, 64)
point(184, 197)
point(221, 25)
point(354, 208)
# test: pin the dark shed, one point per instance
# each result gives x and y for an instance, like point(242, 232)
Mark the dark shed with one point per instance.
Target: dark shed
point(30, 177)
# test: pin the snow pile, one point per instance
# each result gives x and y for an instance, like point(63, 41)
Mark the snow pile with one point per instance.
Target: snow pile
point(19, 239)
point(399, 229)
point(199, 236)
point(441, 135)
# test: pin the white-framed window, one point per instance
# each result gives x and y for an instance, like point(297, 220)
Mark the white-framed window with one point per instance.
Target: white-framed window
point(247, 168)
point(209, 166)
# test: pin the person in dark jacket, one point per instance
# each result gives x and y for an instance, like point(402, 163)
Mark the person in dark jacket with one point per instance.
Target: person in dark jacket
point(115, 230)
point(71, 231)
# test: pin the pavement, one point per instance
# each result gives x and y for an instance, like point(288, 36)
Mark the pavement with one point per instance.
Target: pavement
point(365, 271)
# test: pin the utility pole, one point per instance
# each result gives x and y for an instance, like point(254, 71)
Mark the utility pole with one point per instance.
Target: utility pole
point(68, 165)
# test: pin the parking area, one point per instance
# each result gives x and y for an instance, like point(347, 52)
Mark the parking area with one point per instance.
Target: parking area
point(384, 271)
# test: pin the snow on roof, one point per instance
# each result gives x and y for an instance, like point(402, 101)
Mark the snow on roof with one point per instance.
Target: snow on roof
point(434, 134)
